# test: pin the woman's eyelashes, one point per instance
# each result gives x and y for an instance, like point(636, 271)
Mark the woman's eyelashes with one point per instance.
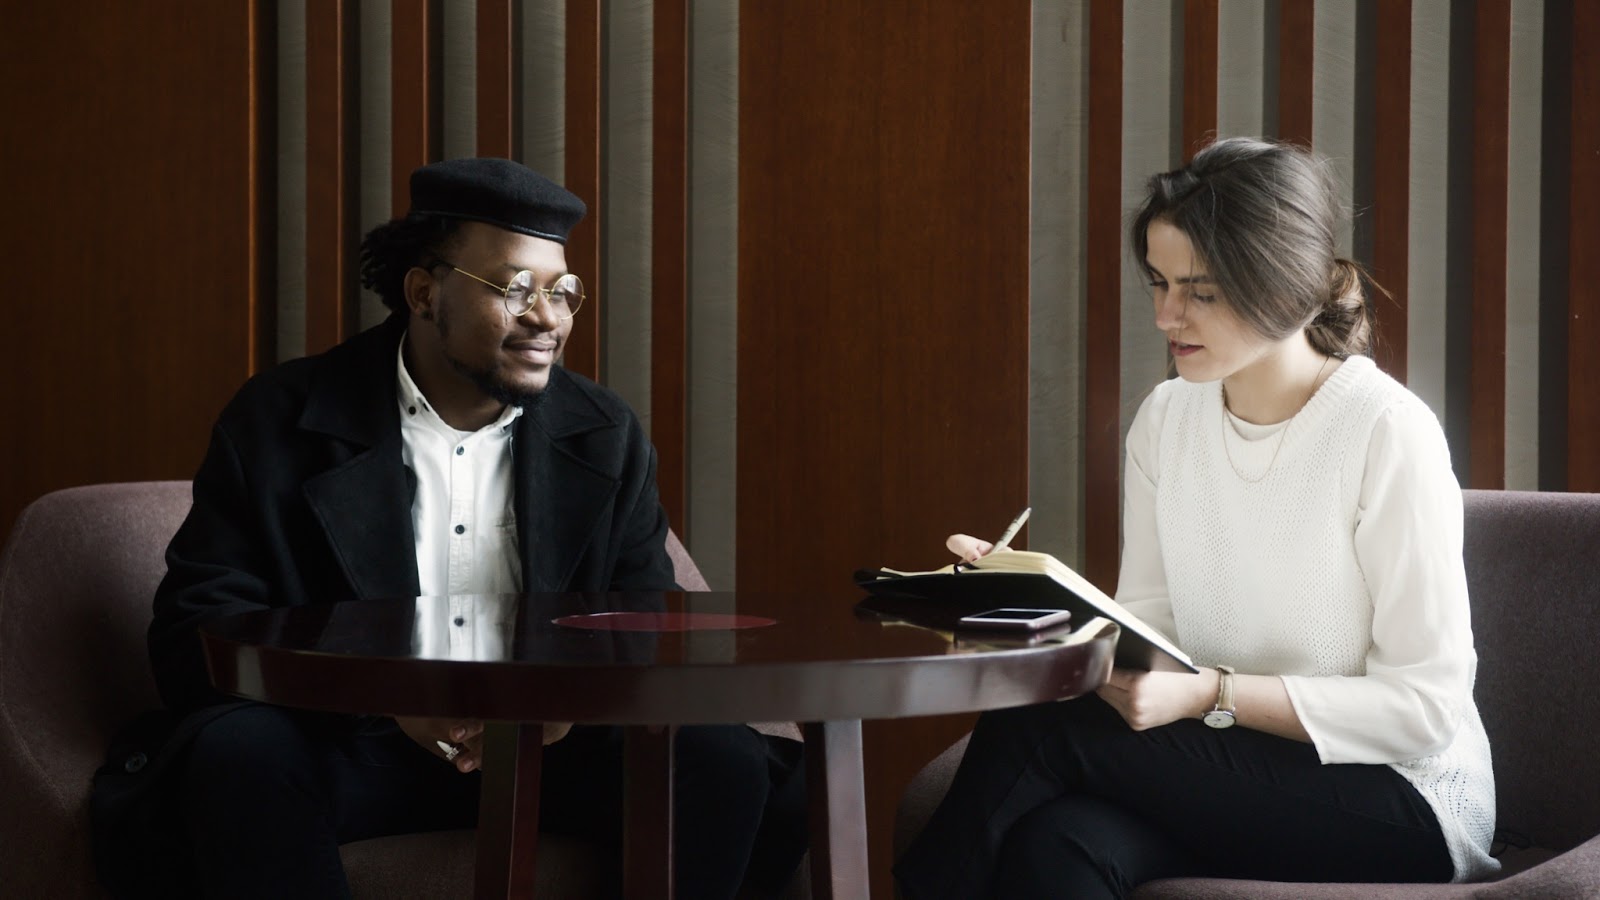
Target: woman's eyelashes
point(1157, 284)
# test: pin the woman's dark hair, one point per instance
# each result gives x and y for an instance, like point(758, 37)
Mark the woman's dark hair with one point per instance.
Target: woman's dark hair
point(1261, 217)
point(392, 249)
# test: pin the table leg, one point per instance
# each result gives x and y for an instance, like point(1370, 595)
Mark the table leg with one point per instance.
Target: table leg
point(508, 810)
point(647, 811)
point(837, 810)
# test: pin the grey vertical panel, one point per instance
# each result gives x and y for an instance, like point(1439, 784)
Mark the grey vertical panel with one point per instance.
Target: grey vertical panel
point(291, 250)
point(625, 245)
point(1333, 93)
point(713, 285)
point(1147, 148)
point(375, 144)
point(1430, 158)
point(1523, 214)
point(1241, 83)
point(544, 86)
point(1055, 279)
point(459, 93)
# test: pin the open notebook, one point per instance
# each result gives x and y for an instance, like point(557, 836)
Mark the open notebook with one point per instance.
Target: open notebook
point(1022, 578)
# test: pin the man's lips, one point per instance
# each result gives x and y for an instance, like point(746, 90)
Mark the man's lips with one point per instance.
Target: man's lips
point(537, 351)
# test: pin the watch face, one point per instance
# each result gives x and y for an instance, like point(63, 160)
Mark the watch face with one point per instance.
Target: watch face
point(1219, 718)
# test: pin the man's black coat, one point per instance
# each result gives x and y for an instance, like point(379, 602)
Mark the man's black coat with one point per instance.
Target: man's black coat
point(303, 499)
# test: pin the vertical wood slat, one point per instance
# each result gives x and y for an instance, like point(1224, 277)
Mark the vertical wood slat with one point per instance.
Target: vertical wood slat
point(584, 92)
point(415, 71)
point(1391, 178)
point(1296, 40)
point(669, 258)
point(497, 32)
point(1103, 288)
point(1583, 297)
point(1199, 74)
point(1491, 121)
point(261, 230)
point(332, 188)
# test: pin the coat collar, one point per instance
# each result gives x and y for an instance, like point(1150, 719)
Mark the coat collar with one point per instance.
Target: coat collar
point(364, 503)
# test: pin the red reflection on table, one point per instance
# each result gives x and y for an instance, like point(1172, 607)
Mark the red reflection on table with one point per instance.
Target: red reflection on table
point(663, 621)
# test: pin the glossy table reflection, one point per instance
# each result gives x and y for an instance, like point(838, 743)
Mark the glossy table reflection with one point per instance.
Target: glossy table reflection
point(504, 660)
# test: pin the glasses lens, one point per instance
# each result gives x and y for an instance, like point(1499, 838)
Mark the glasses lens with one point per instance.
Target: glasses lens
point(520, 293)
point(566, 296)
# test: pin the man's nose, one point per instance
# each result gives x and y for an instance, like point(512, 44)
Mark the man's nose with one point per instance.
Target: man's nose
point(542, 317)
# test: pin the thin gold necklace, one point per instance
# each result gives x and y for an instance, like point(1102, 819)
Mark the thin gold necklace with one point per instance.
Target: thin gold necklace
point(1282, 435)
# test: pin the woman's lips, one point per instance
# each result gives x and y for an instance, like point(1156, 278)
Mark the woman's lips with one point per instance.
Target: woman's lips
point(1183, 349)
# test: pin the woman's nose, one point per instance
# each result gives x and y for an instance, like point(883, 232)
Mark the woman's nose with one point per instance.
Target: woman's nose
point(1169, 312)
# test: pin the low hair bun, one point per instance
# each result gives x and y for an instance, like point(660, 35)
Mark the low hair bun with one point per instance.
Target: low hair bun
point(1344, 324)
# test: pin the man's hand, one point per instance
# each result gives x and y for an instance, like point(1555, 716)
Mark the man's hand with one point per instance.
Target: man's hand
point(466, 735)
point(1152, 699)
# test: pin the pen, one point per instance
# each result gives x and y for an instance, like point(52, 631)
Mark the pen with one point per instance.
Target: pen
point(1013, 528)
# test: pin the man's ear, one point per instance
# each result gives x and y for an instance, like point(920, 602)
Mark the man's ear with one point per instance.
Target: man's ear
point(420, 292)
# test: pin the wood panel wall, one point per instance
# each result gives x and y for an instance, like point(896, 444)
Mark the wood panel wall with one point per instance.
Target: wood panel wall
point(883, 304)
point(1583, 314)
point(138, 231)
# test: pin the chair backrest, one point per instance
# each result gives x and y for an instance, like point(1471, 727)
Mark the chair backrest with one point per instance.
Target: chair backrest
point(76, 580)
point(1534, 580)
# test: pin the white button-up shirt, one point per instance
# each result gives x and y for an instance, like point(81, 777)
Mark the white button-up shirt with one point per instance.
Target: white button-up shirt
point(462, 514)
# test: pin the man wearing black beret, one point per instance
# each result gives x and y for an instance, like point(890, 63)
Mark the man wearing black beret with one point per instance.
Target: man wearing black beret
point(444, 451)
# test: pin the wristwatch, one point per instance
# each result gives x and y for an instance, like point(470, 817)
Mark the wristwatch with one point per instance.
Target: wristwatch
point(1222, 715)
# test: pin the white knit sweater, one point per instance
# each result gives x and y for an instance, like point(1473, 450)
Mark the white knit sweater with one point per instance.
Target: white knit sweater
point(1339, 570)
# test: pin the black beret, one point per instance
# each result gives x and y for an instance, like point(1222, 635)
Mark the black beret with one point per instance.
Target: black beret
point(497, 191)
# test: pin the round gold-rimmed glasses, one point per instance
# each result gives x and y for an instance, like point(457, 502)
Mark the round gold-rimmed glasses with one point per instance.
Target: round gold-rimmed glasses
point(521, 292)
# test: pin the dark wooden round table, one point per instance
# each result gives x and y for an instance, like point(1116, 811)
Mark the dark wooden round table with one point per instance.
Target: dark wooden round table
point(812, 659)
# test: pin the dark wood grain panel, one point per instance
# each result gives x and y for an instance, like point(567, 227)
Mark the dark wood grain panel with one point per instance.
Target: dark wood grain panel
point(332, 188)
point(415, 71)
point(497, 32)
point(1199, 74)
point(1102, 313)
point(583, 118)
point(1583, 335)
point(1296, 38)
point(133, 162)
point(1391, 180)
point(669, 259)
point(883, 303)
point(1491, 118)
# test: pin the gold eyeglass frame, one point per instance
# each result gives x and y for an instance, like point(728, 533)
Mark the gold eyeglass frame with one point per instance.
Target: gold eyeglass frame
point(535, 292)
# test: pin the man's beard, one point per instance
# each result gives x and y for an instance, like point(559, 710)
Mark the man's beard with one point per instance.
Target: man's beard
point(489, 379)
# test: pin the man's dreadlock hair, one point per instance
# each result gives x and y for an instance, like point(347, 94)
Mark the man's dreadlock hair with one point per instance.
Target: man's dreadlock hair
point(392, 249)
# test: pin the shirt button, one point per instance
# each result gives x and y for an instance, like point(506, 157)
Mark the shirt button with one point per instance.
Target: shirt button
point(461, 529)
point(412, 410)
point(460, 450)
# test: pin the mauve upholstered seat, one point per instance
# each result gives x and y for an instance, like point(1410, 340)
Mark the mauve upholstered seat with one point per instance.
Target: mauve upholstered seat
point(77, 576)
point(1534, 581)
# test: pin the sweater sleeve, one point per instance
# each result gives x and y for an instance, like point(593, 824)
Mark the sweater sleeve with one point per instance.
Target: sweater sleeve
point(1142, 581)
point(1421, 664)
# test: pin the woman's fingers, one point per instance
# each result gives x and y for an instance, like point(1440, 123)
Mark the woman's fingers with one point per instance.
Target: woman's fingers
point(967, 547)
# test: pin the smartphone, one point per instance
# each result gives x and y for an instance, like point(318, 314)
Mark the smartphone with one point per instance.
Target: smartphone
point(1017, 619)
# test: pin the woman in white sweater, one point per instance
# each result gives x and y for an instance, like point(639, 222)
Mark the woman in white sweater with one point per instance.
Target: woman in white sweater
point(1292, 521)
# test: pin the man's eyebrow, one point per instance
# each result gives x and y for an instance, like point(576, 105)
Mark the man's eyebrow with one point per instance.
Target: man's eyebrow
point(512, 268)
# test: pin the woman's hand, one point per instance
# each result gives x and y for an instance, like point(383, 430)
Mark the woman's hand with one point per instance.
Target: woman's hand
point(1152, 699)
point(968, 547)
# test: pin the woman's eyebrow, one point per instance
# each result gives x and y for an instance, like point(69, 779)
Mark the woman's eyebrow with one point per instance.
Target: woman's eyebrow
point(1187, 279)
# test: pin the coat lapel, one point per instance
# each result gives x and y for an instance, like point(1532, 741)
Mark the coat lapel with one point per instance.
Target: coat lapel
point(560, 497)
point(364, 502)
